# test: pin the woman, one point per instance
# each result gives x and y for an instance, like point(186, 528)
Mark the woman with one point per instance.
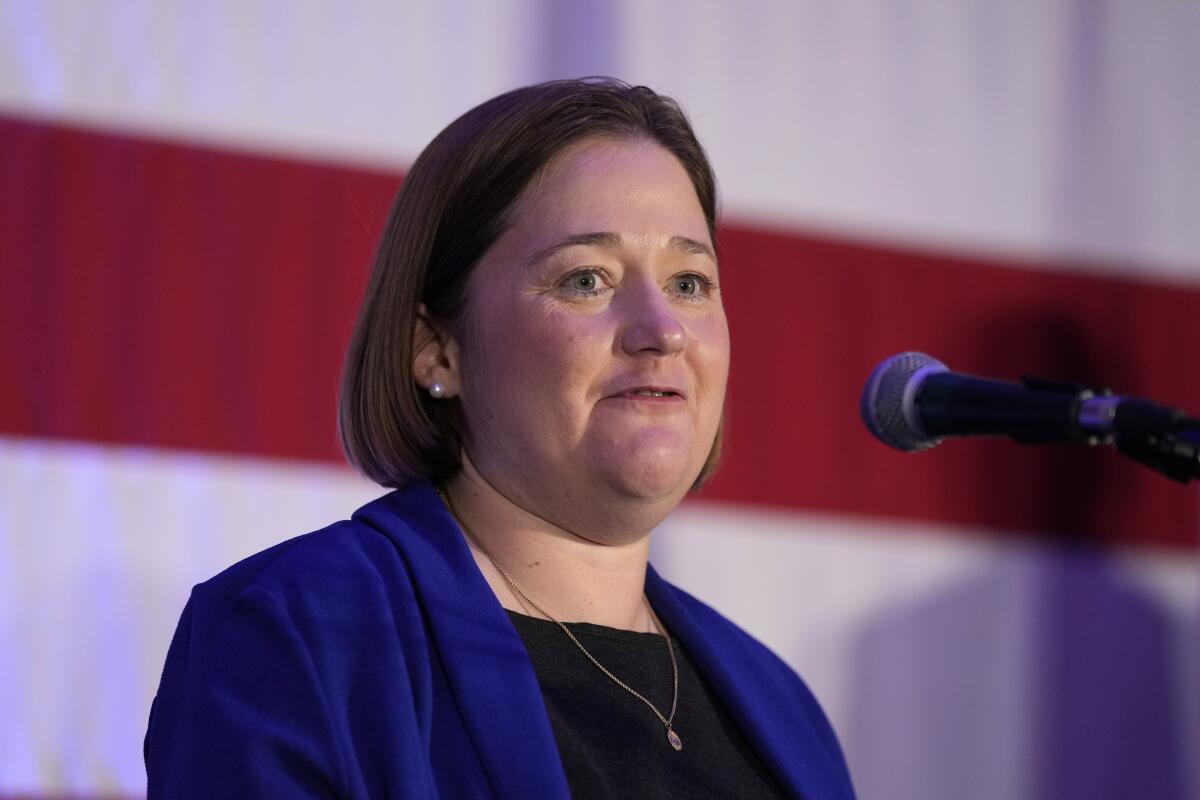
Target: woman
point(539, 369)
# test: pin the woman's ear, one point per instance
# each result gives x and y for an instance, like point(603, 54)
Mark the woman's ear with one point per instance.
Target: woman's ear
point(435, 357)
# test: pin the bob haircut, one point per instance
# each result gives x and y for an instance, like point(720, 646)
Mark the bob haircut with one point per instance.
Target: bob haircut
point(454, 203)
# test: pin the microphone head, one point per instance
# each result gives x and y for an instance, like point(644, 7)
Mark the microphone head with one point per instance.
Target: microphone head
point(888, 406)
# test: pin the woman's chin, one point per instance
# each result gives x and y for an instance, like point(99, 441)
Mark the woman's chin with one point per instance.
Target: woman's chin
point(663, 470)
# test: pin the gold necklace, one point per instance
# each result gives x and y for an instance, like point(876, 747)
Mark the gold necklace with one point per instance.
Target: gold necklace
point(672, 737)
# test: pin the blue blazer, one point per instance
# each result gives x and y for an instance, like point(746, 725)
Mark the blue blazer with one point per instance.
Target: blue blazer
point(371, 659)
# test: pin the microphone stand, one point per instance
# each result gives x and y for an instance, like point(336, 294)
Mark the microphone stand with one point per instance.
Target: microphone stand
point(1165, 439)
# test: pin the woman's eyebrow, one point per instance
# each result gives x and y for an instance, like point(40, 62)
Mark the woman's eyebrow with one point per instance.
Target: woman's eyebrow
point(691, 247)
point(610, 240)
point(604, 239)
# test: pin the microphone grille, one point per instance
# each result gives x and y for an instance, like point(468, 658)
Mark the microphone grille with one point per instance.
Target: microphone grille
point(887, 405)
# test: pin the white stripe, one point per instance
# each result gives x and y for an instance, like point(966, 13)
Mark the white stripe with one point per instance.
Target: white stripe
point(100, 545)
point(1030, 129)
point(372, 84)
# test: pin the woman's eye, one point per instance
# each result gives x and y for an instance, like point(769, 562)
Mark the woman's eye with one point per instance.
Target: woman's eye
point(584, 281)
point(687, 285)
point(692, 286)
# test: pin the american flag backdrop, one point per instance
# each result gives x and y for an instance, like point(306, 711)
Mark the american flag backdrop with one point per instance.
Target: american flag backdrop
point(189, 198)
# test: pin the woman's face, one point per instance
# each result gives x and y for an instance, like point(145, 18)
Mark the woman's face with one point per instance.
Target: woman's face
point(595, 350)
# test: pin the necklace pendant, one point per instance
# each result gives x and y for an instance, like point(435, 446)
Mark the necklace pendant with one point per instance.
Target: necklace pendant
point(673, 738)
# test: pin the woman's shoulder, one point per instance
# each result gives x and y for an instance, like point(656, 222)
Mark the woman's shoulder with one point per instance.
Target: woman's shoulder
point(337, 573)
point(372, 544)
point(277, 656)
point(346, 547)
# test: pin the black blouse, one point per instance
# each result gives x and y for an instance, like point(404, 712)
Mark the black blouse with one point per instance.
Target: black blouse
point(611, 744)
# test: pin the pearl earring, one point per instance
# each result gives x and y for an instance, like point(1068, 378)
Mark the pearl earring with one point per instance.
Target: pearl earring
point(437, 391)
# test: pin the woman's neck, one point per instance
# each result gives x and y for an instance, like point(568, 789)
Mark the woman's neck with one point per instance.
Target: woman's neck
point(572, 578)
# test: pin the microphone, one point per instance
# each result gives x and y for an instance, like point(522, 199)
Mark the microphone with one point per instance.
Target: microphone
point(911, 401)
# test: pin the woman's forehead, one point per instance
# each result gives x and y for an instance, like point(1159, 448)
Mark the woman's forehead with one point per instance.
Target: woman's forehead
point(626, 188)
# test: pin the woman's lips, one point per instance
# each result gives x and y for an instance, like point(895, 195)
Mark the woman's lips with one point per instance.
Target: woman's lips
point(649, 396)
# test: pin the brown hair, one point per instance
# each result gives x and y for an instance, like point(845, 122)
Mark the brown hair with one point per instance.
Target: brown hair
point(454, 203)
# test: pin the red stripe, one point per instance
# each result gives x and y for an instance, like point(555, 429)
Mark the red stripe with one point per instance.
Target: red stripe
point(178, 296)
point(811, 317)
point(185, 297)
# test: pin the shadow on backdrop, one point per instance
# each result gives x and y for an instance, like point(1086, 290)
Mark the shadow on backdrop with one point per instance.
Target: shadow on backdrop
point(1045, 674)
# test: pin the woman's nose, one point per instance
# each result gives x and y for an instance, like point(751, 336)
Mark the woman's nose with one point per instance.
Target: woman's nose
point(651, 324)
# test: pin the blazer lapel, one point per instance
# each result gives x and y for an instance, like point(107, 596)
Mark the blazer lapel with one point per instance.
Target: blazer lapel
point(775, 711)
point(486, 664)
